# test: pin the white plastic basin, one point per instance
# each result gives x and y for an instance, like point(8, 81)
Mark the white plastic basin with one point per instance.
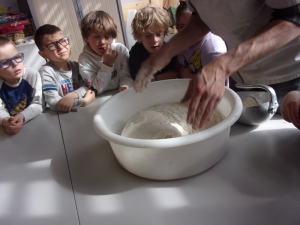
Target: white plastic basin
point(164, 159)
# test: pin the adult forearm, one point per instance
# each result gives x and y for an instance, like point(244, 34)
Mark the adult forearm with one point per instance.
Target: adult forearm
point(270, 38)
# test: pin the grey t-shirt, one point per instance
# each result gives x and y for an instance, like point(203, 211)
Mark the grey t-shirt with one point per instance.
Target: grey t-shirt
point(57, 83)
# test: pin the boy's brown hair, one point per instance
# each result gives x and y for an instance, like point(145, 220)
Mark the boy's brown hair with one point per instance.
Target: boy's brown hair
point(148, 16)
point(42, 32)
point(96, 21)
point(5, 41)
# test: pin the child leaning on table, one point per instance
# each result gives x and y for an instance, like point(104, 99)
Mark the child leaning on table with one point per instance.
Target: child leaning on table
point(103, 64)
point(200, 54)
point(63, 87)
point(149, 27)
point(20, 89)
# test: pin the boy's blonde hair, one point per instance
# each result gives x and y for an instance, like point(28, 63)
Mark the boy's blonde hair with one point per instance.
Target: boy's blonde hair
point(96, 21)
point(148, 16)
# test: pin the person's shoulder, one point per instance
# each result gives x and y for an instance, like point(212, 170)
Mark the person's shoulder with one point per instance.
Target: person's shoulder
point(216, 40)
point(139, 49)
point(212, 44)
point(31, 74)
point(213, 36)
point(82, 56)
point(48, 68)
point(86, 50)
point(73, 63)
point(29, 71)
point(74, 66)
point(87, 54)
point(137, 45)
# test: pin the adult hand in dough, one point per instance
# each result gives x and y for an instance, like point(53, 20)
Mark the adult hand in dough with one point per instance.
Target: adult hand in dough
point(204, 93)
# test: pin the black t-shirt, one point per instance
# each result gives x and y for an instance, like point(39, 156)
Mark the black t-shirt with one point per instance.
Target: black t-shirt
point(138, 54)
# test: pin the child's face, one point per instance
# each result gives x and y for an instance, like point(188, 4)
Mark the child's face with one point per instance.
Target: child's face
point(59, 51)
point(99, 42)
point(153, 39)
point(183, 20)
point(14, 72)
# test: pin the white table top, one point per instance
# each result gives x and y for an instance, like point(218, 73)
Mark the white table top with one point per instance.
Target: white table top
point(256, 182)
point(35, 186)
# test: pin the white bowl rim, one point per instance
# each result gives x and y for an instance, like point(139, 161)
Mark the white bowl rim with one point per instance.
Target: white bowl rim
point(170, 142)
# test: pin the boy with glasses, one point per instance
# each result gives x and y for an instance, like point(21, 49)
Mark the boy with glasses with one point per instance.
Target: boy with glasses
point(20, 89)
point(63, 87)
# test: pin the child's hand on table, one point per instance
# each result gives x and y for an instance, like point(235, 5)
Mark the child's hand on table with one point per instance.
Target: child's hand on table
point(65, 104)
point(88, 98)
point(13, 124)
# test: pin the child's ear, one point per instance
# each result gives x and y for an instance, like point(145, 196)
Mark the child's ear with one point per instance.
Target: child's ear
point(42, 53)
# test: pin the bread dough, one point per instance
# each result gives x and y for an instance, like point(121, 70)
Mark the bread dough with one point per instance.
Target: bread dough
point(163, 121)
point(250, 102)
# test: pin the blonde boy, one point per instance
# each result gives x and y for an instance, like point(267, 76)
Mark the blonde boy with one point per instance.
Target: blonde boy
point(103, 64)
point(20, 89)
point(149, 27)
point(63, 87)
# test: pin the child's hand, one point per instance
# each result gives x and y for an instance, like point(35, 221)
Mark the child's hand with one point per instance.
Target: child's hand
point(290, 108)
point(88, 98)
point(13, 124)
point(65, 104)
point(110, 57)
point(123, 88)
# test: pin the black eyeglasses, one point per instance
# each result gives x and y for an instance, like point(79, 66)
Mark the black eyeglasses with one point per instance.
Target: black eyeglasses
point(53, 45)
point(5, 63)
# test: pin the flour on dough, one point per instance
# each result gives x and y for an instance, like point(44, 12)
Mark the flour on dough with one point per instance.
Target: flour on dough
point(163, 121)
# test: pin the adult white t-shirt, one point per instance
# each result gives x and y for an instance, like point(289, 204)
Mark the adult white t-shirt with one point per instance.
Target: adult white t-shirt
point(238, 20)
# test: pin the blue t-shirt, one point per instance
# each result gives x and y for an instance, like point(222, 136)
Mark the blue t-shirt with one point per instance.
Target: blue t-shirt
point(18, 98)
